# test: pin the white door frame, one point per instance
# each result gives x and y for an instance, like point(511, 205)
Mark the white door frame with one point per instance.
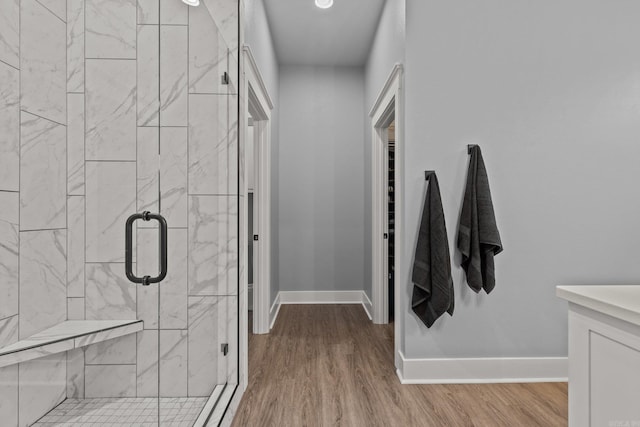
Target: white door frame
point(389, 106)
point(259, 106)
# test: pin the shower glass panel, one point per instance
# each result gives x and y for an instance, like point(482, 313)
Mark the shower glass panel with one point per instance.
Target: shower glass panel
point(149, 101)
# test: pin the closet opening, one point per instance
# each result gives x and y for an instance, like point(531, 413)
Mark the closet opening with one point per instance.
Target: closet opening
point(387, 117)
point(391, 135)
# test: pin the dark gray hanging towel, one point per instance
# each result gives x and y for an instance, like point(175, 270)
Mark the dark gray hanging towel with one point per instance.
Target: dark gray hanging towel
point(478, 236)
point(433, 286)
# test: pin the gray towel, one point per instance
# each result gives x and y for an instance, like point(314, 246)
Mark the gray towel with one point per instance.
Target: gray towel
point(433, 286)
point(478, 236)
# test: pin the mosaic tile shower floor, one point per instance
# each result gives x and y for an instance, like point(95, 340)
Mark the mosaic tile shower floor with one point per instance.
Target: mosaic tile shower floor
point(129, 411)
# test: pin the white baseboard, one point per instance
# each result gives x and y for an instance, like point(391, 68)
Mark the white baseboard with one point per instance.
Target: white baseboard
point(321, 297)
point(483, 370)
point(275, 309)
point(367, 305)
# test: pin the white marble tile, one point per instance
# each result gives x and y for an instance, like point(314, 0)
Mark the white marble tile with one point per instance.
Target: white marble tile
point(75, 45)
point(75, 246)
point(174, 60)
point(148, 179)
point(118, 351)
point(148, 305)
point(148, 77)
point(174, 13)
point(43, 173)
point(213, 240)
point(225, 15)
point(207, 54)
point(43, 57)
point(75, 374)
point(9, 395)
point(173, 363)
point(242, 248)
point(9, 259)
point(75, 333)
point(9, 127)
point(75, 308)
point(204, 351)
point(234, 74)
point(111, 28)
point(57, 7)
point(110, 381)
point(147, 264)
point(148, 12)
point(147, 380)
point(243, 161)
point(228, 331)
point(212, 322)
point(113, 329)
point(13, 358)
point(10, 32)
point(8, 331)
point(110, 109)
point(43, 280)
point(109, 294)
point(173, 175)
point(75, 144)
point(208, 145)
point(111, 198)
point(173, 290)
point(43, 385)
point(65, 336)
point(233, 144)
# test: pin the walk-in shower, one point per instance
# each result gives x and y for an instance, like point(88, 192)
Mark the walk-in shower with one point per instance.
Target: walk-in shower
point(119, 240)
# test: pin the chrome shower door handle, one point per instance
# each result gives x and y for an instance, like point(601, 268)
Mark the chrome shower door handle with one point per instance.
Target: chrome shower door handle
point(128, 252)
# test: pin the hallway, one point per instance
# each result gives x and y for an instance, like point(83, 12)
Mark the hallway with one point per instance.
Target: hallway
point(326, 365)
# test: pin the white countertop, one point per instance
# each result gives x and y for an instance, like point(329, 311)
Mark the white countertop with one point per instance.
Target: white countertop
point(621, 302)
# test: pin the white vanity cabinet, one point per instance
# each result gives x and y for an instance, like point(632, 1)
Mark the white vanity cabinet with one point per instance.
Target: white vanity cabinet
point(604, 355)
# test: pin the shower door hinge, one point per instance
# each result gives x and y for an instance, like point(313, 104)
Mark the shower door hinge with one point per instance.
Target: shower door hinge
point(224, 348)
point(225, 78)
point(255, 237)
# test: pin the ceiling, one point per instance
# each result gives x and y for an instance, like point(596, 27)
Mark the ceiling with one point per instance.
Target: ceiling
point(306, 35)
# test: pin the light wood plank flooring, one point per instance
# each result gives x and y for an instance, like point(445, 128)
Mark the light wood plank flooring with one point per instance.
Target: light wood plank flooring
point(328, 365)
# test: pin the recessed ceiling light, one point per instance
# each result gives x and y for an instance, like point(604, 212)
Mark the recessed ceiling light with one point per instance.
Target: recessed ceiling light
point(324, 4)
point(192, 2)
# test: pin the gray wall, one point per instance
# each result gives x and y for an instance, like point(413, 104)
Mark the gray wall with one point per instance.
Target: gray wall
point(258, 37)
point(387, 50)
point(550, 92)
point(321, 178)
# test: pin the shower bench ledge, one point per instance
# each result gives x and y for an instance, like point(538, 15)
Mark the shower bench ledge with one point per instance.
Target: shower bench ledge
point(66, 336)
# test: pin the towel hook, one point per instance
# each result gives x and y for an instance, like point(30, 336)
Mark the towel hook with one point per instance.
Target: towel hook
point(427, 174)
point(470, 147)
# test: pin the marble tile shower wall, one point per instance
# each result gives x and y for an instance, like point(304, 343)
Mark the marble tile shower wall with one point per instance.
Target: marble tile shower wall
point(91, 132)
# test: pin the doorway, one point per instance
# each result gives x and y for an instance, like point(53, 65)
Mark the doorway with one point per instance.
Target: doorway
point(390, 215)
point(387, 118)
point(256, 233)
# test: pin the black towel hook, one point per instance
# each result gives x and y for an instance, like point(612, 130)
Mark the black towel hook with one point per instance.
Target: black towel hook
point(427, 174)
point(470, 147)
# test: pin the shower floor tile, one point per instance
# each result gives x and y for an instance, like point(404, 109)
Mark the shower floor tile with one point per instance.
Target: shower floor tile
point(126, 411)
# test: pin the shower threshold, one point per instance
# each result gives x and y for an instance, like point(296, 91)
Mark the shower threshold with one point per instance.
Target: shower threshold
point(126, 411)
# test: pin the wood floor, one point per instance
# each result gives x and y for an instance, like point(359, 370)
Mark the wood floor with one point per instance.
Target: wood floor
point(328, 365)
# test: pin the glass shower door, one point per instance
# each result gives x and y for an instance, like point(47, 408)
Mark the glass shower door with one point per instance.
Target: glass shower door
point(187, 172)
point(161, 137)
point(116, 108)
